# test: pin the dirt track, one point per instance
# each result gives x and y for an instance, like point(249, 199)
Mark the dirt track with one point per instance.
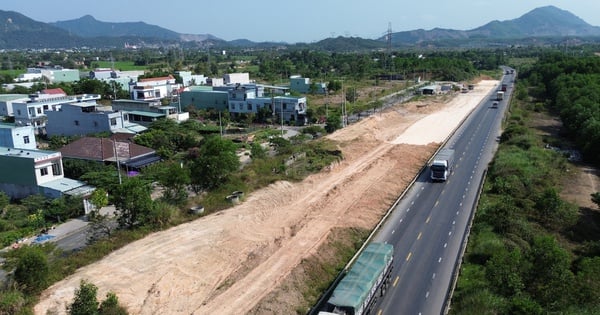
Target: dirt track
point(227, 262)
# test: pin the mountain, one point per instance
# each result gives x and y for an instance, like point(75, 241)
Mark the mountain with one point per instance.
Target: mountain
point(87, 26)
point(21, 32)
point(548, 21)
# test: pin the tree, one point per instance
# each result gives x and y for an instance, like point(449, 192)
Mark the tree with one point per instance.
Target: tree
point(32, 270)
point(334, 122)
point(174, 178)
point(596, 198)
point(110, 306)
point(4, 200)
point(85, 301)
point(132, 202)
point(217, 159)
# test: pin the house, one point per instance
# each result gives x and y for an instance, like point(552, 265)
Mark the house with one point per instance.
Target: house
point(77, 119)
point(20, 137)
point(145, 112)
point(131, 156)
point(190, 79)
point(6, 103)
point(153, 88)
point(33, 111)
point(236, 78)
point(53, 74)
point(303, 85)
point(204, 97)
point(28, 172)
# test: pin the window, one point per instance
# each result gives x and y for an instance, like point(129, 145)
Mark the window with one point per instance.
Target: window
point(76, 123)
point(26, 139)
point(56, 169)
point(250, 107)
point(284, 106)
point(39, 110)
point(95, 124)
point(19, 112)
point(113, 121)
point(44, 171)
point(45, 107)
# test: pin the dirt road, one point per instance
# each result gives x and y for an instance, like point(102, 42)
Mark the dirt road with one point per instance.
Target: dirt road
point(227, 262)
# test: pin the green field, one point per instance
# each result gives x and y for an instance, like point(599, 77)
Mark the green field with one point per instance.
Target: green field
point(120, 65)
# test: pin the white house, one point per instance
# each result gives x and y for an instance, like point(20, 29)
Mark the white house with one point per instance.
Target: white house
point(13, 136)
point(33, 111)
point(153, 88)
point(27, 172)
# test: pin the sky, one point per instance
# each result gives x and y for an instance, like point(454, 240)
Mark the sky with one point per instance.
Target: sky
point(298, 21)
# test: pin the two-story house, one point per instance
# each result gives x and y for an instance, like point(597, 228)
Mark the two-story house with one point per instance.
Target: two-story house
point(33, 111)
point(6, 103)
point(13, 136)
point(304, 85)
point(85, 118)
point(28, 172)
point(153, 88)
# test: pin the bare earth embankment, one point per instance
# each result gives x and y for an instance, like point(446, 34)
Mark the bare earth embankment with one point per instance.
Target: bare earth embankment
point(227, 262)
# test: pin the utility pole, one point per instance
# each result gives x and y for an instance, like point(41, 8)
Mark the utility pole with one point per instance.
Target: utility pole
point(220, 125)
point(117, 160)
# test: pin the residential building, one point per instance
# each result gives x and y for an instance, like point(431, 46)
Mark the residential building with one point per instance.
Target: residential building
point(153, 88)
point(190, 79)
point(33, 111)
point(6, 103)
point(303, 85)
point(77, 119)
point(28, 172)
point(20, 137)
point(236, 78)
point(204, 97)
point(131, 156)
point(145, 112)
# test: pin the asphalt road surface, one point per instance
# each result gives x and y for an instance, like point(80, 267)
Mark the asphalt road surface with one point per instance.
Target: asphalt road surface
point(429, 225)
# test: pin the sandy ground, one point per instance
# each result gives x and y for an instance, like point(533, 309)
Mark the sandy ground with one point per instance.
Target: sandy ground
point(227, 262)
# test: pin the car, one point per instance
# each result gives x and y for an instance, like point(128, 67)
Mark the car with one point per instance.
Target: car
point(495, 104)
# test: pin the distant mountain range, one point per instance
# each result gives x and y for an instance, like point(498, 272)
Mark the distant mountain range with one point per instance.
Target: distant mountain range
point(21, 32)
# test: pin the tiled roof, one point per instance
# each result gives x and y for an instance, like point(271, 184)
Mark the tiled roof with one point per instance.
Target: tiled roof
point(103, 149)
point(170, 77)
point(57, 91)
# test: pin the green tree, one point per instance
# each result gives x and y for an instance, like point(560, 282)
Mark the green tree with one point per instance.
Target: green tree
point(99, 198)
point(110, 306)
point(596, 198)
point(4, 200)
point(216, 160)
point(334, 122)
point(85, 301)
point(175, 178)
point(257, 151)
point(32, 269)
point(588, 282)
point(132, 202)
point(505, 270)
point(550, 281)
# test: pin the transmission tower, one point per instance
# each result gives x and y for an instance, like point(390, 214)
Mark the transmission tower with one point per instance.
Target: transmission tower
point(389, 49)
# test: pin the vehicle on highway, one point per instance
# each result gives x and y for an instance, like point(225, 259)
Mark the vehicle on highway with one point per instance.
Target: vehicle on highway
point(441, 166)
point(494, 104)
point(367, 280)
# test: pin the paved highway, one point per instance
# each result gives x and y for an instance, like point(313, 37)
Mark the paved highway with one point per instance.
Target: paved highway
point(429, 225)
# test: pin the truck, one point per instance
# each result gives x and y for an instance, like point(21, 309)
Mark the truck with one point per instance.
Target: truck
point(441, 165)
point(366, 281)
point(499, 95)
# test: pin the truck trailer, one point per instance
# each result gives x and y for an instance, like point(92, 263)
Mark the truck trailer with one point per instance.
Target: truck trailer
point(365, 282)
point(441, 166)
